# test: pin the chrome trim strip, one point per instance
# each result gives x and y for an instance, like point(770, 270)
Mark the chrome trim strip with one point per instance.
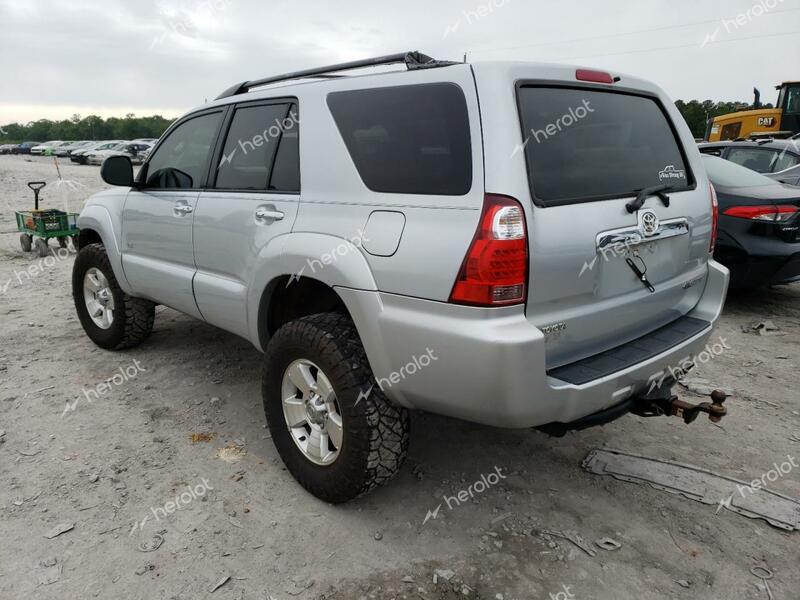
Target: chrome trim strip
point(632, 236)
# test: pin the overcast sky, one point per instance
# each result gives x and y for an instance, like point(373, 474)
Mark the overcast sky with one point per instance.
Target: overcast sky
point(111, 57)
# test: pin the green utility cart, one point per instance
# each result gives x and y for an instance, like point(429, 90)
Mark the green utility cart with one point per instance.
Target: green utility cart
point(45, 224)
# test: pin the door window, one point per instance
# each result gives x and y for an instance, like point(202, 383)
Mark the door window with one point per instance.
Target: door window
point(261, 150)
point(182, 159)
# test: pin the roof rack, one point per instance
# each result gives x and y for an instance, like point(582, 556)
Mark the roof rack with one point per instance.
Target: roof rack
point(413, 60)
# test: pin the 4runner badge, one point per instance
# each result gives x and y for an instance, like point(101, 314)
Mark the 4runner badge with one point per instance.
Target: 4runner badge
point(670, 173)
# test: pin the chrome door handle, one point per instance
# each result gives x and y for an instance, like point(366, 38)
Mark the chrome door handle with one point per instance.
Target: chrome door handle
point(264, 214)
point(183, 209)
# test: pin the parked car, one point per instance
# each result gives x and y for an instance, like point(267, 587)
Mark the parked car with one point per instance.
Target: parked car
point(762, 156)
point(7, 148)
point(134, 151)
point(407, 246)
point(758, 223)
point(65, 149)
point(24, 148)
point(129, 149)
point(81, 155)
point(45, 147)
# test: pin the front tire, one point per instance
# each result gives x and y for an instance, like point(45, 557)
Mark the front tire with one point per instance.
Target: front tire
point(111, 318)
point(316, 366)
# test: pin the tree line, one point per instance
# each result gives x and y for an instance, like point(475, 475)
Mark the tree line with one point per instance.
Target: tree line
point(695, 112)
point(85, 128)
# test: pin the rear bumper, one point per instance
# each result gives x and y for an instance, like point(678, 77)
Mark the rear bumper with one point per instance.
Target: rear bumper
point(755, 260)
point(488, 365)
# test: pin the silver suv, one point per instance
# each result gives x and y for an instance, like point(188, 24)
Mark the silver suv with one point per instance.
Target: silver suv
point(514, 244)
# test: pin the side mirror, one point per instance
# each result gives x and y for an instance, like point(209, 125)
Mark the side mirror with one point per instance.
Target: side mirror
point(117, 170)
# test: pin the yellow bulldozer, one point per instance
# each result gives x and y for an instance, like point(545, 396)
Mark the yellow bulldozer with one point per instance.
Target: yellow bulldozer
point(757, 122)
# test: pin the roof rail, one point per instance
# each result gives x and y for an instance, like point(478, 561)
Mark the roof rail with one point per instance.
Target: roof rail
point(413, 60)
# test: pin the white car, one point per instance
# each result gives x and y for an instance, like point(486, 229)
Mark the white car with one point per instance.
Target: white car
point(81, 156)
point(96, 157)
point(43, 148)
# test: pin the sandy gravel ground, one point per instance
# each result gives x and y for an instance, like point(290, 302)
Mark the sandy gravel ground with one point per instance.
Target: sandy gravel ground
point(155, 513)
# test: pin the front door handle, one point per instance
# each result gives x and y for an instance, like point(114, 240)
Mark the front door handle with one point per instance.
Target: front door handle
point(182, 209)
point(266, 214)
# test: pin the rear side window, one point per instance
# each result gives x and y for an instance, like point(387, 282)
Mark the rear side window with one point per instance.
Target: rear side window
point(409, 139)
point(261, 150)
point(583, 145)
point(755, 159)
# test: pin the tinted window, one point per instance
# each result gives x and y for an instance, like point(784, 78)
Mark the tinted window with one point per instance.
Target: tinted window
point(727, 174)
point(407, 140)
point(180, 161)
point(730, 131)
point(251, 146)
point(286, 170)
point(755, 159)
point(586, 145)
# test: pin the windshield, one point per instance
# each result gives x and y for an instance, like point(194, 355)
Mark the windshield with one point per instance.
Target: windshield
point(584, 145)
point(724, 173)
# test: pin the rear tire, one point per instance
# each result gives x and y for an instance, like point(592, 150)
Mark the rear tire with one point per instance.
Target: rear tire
point(42, 249)
point(25, 242)
point(131, 321)
point(375, 432)
point(62, 242)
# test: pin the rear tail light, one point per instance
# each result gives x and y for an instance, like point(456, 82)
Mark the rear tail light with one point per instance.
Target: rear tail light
point(495, 269)
point(593, 76)
point(714, 218)
point(768, 213)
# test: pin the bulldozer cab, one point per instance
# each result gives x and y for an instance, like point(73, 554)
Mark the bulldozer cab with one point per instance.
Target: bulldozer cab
point(757, 122)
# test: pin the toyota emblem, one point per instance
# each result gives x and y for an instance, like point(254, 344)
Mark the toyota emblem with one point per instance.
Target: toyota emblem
point(649, 223)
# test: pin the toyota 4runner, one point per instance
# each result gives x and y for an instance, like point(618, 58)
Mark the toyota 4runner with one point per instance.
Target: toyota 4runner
point(514, 244)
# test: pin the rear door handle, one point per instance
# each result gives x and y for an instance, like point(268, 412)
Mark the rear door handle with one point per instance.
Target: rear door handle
point(266, 214)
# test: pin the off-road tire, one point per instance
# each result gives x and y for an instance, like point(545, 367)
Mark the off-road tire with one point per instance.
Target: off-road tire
point(133, 317)
point(376, 431)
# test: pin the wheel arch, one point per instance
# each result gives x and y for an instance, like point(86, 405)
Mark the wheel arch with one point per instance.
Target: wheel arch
point(301, 271)
point(97, 226)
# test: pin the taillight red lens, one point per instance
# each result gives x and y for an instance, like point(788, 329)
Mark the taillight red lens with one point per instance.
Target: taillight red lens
point(495, 270)
point(593, 76)
point(714, 218)
point(768, 213)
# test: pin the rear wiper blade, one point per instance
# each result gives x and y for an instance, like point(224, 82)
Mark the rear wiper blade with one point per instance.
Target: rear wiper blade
point(656, 190)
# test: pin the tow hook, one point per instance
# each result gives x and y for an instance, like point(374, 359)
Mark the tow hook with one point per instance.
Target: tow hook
point(662, 402)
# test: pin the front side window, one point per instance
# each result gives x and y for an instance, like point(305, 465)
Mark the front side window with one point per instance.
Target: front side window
point(258, 152)
point(724, 173)
point(583, 145)
point(759, 160)
point(411, 139)
point(181, 160)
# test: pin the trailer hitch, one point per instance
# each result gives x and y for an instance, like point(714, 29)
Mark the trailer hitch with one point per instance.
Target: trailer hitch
point(662, 402)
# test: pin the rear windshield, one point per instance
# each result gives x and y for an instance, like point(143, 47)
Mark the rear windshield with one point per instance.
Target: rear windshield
point(411, 139)
point(583, 145)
